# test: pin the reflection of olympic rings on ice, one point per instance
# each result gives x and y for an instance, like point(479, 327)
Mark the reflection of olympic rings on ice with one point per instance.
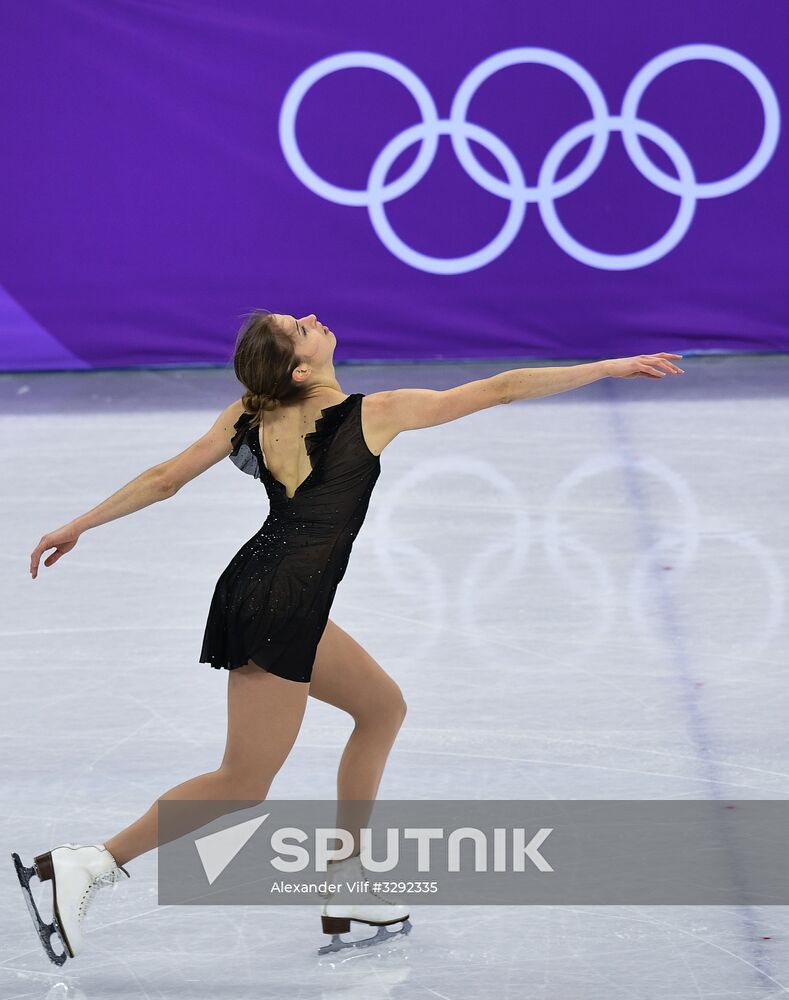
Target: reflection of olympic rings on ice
point(594, 595)
point(515, 189)
point(411, 573)
point(685, 541)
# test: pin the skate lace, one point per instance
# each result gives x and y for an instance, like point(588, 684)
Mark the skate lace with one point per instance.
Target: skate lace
point(105, 878)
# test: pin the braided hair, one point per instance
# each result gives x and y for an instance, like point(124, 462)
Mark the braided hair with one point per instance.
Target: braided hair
point(264, 360)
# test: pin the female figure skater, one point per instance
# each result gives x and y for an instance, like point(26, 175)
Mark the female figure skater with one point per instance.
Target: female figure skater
point(317, 452)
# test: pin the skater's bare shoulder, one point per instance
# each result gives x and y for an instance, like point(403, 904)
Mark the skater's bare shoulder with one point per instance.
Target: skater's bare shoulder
point(395, 410)
point(206, 451)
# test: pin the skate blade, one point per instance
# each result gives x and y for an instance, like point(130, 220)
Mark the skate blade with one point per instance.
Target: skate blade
point(383, 936)
point(45, 931)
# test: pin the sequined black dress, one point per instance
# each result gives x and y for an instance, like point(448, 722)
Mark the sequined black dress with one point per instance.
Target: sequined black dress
point(272, 601)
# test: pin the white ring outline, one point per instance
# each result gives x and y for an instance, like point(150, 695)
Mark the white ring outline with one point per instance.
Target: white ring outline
point(637, 258)
point(514, 57)
point(360, 60)
point(746, 68)
point(444, 265)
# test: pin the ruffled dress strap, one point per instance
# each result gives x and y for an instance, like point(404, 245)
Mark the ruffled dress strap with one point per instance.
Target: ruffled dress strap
point(244, 452)
point(316, 442)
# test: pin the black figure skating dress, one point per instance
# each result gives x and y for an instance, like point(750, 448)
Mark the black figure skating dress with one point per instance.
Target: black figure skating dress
point(272, 601)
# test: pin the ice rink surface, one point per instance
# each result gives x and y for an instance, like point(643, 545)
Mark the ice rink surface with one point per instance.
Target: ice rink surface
point(582, 597)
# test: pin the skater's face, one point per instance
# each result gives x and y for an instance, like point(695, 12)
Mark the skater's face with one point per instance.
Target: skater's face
point(314, 342)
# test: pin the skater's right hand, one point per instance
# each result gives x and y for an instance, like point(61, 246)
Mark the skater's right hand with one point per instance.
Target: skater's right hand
point(649, 365)
point(62, 540)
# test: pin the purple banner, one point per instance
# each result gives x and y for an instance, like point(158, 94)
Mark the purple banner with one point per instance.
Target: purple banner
point(433, 180)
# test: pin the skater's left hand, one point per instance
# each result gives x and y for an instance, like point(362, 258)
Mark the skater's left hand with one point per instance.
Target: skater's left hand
point(646, 365)
point(62, 540)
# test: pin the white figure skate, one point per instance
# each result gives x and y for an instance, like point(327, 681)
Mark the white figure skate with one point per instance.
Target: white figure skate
point(76, 872)
point(375, 910)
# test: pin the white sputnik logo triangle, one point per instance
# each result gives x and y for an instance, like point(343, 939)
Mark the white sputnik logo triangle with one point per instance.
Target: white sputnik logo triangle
point(217, 850)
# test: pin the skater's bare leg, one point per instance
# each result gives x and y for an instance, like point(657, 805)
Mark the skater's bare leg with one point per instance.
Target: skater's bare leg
point(346, 675)
point(264, 714)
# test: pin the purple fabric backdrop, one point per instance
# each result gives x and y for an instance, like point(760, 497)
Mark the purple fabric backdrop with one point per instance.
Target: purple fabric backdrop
point(153, 189)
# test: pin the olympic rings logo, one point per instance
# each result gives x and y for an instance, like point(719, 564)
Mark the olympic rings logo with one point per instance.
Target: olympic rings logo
point(548, 189)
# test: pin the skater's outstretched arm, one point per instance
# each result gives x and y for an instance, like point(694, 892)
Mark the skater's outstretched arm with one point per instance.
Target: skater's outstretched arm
point(409, 409)
point(157, 483)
